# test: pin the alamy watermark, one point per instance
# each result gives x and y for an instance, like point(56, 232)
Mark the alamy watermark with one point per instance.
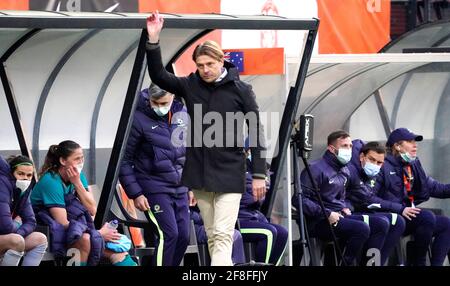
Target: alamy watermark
point(374, 256)
point(228, 129)
point(75, 257)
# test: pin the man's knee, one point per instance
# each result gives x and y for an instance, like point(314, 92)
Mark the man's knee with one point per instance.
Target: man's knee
point(220, 234)
point(427, 217)
point(361, 229)
point(380, 224)
point(179, 237)
point(281, 230)
point(443, 222)
point(399, 223)
point(272, 229)
point(183, 236)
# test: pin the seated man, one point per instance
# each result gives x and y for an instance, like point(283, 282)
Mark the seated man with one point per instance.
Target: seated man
point(332, 177)
point(270, 238)
point(365, 165)
point(403, 181)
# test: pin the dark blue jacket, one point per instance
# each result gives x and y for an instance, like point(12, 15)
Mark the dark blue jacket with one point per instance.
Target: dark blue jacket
point(80, 221)
point(13, 204)
point(390, 186)
point(249, 209)
point(152, 163)
point(361, 193)
point(332, 179)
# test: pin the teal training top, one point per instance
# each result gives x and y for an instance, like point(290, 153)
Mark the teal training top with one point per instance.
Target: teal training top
point(50, 190)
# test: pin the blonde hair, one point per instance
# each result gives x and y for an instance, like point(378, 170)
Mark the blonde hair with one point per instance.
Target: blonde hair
point(208, 48)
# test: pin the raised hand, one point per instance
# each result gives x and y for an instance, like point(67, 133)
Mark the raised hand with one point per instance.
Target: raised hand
point(154, 25)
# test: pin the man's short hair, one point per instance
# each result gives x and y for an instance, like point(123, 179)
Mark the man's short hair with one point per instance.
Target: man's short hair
point(340, 134)
point(156, 92)
point(373, 146)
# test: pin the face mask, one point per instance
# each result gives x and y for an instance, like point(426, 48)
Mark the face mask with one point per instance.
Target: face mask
point(80, 167)
point(371, 169)
point(344, 155)
point(408, 158)
point(161, 111)
point(23, 184)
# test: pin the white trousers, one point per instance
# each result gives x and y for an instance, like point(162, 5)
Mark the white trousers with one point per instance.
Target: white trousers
point(219, 212)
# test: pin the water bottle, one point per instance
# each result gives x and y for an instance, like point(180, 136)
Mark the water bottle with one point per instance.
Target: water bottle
point(113, 224)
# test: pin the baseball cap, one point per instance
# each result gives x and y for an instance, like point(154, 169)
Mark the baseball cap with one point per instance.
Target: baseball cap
point(400, 134)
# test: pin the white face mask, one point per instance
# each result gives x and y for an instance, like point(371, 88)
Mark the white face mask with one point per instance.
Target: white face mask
point(23, 185)
point(371, 169)
point(80, 167)
point(344, 155)
point(161, 111)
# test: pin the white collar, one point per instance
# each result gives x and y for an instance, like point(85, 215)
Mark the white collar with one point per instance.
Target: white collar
point(223, 75)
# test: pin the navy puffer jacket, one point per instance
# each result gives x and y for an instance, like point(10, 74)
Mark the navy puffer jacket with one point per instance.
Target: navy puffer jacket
point(332, 178)
point(364, 195)
point(390, 186)
point(13, 204)
point(80, 222)
point(155, 152)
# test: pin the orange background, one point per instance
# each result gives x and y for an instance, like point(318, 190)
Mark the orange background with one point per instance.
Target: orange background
point(262, 61)
point(180, 6)
point(346, 26)
point(14, 5)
